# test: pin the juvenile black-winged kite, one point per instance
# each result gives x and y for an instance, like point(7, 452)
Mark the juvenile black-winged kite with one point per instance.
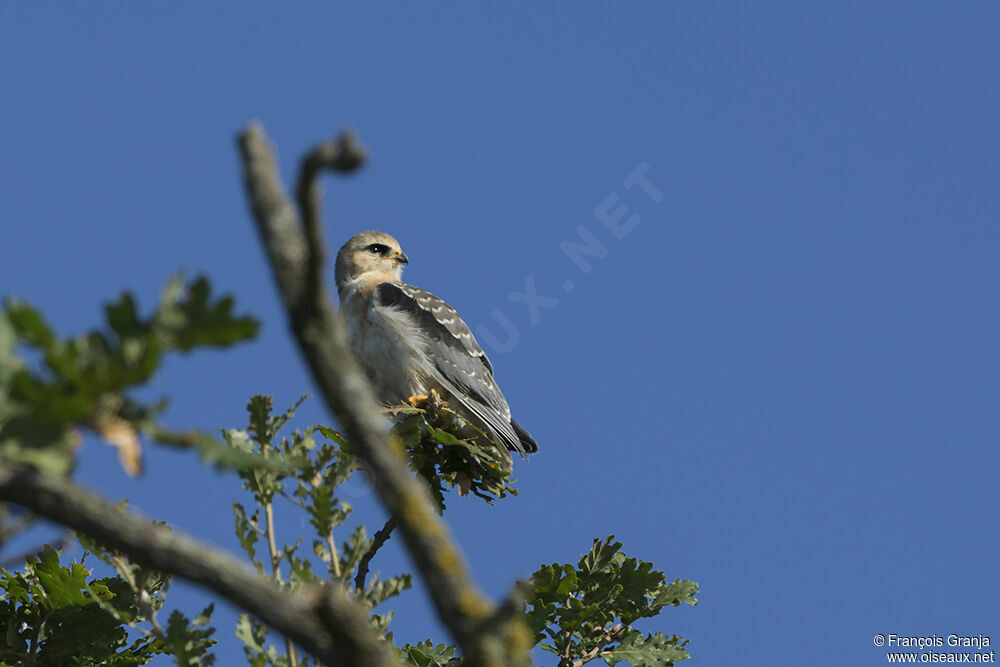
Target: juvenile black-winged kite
point(410, 342)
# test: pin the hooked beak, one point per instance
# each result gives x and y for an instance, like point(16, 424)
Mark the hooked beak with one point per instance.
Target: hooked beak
point(402, 258)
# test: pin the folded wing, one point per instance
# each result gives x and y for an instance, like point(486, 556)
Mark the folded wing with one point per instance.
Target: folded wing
point(457, 362)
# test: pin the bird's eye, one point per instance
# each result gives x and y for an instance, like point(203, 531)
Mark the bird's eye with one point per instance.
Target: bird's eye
point(378, 249)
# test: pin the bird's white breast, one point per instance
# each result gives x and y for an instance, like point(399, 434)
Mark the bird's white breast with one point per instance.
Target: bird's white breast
point(390, 348)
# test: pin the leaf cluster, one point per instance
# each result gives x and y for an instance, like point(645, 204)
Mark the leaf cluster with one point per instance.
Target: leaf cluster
point(83, 382)
point(426, 654)
point(448, 452)
point(59, 615)
point(587, 611)
point(309, 467)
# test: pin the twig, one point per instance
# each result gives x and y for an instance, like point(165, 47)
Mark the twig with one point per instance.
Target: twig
point(322, 339)
point(323, 620)
point(334, 555)
point(272, 549)
point(381, 537)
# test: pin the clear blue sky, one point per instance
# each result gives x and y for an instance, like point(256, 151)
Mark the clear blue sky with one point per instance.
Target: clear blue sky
point(782, 382)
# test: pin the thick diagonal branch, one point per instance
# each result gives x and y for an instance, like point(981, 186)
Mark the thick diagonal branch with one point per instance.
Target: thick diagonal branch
point(322, 339)
point(323, 620)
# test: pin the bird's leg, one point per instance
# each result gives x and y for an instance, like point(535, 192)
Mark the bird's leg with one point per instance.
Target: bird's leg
point(429, 401)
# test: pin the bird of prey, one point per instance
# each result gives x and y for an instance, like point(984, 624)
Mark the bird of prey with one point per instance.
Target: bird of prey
point(410, 342)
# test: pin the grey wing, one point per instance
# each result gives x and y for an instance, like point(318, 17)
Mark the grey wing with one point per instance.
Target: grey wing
point(456, 360)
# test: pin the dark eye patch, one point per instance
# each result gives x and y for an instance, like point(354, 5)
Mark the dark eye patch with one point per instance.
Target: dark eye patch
point(378, 249)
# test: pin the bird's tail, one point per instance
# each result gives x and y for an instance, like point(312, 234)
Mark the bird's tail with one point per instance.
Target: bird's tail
point(528, 443)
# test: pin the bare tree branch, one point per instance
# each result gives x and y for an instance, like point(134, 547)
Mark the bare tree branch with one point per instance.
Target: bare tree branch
point(380, 538)
point(322, 339)
point(323, 620)
point(343, 155)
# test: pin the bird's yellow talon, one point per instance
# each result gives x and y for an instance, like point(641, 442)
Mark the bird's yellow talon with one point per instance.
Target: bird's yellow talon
point(417, 398)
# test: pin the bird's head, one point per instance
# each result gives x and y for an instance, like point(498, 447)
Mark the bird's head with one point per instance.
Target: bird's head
point(369, 252)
